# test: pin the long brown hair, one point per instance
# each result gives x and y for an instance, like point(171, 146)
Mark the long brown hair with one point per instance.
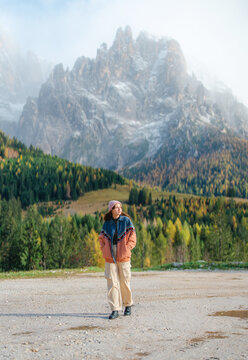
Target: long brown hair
point(108, 216)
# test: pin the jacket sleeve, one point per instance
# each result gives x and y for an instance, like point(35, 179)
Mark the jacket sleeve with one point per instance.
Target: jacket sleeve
point(101, 240)
point(132, 237)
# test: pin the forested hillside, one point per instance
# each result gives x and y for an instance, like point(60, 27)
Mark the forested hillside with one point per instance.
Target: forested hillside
point(32, 176)
point(217, 165)
point(168, 230)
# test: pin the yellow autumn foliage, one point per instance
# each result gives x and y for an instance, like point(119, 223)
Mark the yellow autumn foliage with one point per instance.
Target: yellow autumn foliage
point(93, 248)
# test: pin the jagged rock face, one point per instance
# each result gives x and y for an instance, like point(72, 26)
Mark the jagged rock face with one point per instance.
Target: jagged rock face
point(20, 76)
point(119, 109)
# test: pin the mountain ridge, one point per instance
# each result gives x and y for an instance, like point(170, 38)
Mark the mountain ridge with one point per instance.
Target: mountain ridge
point(119, 109)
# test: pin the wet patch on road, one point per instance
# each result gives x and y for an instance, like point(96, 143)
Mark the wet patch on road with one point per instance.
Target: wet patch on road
point(86, 328)
point(208, 335)
point(241, 314)
point(23, 333)
point(141, 354)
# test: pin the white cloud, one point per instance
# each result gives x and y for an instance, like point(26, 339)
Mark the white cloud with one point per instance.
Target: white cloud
point(210, 32)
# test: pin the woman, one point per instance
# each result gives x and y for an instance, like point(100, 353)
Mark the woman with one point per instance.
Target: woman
point(117, 239)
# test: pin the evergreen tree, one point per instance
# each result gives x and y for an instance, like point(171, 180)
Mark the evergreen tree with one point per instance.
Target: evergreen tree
point(133, 196)
point(142, 252)
point(180, 248)
point(150, 199)
point(10, 235)
point(59, 241)
point(76, 244)
point(44, 246)
point(194, 246)
point(160, 249)
point(31, 254)
point(219, 243)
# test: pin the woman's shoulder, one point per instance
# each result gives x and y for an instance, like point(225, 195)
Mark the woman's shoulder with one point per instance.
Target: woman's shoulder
point(107, 222)
point(126, 219)
point(107, 225)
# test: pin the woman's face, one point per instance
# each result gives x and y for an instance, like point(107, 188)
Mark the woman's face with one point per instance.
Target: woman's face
point(116, 211)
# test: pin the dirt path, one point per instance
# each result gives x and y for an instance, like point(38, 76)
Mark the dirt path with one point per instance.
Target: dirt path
point(176, 316)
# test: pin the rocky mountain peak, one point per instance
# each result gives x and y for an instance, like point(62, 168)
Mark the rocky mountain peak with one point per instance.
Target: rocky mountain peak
point(59, 78)
point(121, 108)
point(123, 41)
point(102, 51)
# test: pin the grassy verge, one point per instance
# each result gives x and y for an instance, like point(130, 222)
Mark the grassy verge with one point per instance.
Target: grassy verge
point(93, 269)
point(48, 273)
point(198, 265)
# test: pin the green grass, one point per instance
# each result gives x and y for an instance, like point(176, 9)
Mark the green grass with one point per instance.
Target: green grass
point(64, 273)
point(48, 273)
point(97, 200)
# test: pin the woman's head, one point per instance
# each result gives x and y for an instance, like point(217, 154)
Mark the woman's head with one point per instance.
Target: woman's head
point(115, 210)
point(113, 203)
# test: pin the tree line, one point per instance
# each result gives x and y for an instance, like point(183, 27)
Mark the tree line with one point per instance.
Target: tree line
point(34, 177)
point(191, 229)
point(33, 242)
point(168, 230)
point(140, 197)
point(218, 168)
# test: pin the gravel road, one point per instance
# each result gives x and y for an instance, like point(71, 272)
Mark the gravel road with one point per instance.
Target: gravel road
point(177, 315)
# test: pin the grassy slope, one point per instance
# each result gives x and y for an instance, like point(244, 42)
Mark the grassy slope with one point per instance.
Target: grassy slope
point(98, 200)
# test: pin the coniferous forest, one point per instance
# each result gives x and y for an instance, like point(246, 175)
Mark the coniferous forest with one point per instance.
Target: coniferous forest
point(32, 176)
point(168, 230)
point(219, 168)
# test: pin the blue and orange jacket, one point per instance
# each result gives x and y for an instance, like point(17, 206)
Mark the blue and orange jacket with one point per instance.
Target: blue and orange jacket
point(126, 239)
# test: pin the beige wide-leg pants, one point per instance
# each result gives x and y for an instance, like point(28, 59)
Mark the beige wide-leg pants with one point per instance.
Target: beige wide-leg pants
point(118, 281)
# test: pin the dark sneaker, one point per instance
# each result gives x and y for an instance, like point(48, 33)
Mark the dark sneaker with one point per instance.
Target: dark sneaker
point(127, 311)
point(113, 315)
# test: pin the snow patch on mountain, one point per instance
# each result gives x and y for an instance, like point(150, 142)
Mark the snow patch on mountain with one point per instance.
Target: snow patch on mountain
point(139, 63)
point(159, 62)
point(76, 134)
point(123, 89)
point(206, 119)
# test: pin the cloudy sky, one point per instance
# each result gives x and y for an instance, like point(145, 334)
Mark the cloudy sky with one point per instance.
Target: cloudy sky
point(212, 33)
